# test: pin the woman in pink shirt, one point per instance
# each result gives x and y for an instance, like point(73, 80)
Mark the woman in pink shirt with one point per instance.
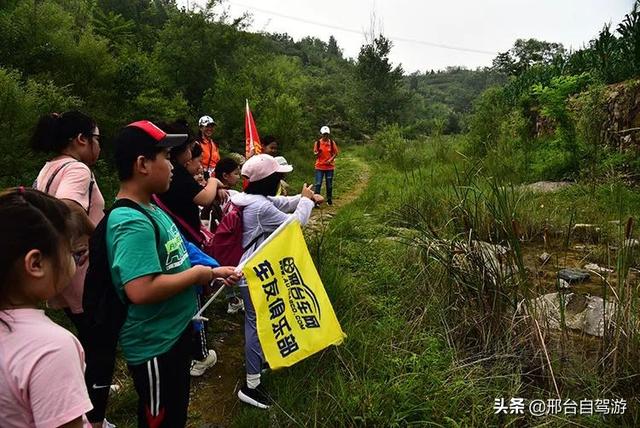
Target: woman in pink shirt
point(41, 364)
point(73, 138)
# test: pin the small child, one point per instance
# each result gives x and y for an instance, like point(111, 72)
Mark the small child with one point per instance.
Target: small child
point(41, 364)
point(270, 146)
point(228, 172)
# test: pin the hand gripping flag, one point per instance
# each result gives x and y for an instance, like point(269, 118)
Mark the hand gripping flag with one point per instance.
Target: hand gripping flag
point(295, 318)
point(252, 139)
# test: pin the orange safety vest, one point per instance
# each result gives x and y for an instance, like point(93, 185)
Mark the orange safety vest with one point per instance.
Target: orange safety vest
point(210, 153)
point(325, 150)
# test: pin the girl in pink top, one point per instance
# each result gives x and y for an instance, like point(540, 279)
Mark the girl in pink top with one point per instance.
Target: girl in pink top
point(73, 138)
point(41, 364)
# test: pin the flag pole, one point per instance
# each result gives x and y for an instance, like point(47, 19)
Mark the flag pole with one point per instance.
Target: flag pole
point(198, 316)
point(270, 238)
point(246, 113)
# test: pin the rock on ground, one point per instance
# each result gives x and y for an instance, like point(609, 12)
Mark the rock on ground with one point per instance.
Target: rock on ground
point(584, 313)
point(546, 186)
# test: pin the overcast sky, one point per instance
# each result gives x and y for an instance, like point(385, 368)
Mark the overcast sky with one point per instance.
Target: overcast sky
point(479, 29)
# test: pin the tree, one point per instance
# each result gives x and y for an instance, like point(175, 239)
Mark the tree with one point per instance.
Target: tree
point(113, 27)
point(629, 30)
point(604, 50)
point(526, 53)
point(191, 49)
point(333, 49)
point(382, 98)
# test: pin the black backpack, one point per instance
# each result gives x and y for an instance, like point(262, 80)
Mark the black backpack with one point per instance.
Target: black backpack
point(100, 302)
point(316, 148)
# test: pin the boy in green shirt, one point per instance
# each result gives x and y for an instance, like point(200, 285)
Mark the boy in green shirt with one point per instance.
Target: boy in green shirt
point(154, 276)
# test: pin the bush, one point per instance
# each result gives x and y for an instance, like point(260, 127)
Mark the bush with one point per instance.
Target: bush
point(488, 114)
point(391, 146)
point(21, 103)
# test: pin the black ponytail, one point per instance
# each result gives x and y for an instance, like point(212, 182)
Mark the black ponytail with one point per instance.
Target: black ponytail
point(54, 132)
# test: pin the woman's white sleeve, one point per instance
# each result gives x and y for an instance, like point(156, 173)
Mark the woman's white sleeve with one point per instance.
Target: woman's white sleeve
point(286, 204)
point(271, 217)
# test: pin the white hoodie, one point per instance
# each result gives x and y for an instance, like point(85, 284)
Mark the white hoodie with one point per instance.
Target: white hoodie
point(262, 215)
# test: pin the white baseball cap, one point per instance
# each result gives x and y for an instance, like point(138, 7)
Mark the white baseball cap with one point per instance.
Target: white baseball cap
point(206, 121)
point(258, 167)
point(325, 130)
point(282, 161)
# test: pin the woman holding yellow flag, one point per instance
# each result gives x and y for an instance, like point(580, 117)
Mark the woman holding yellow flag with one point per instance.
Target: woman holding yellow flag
point(262, 214)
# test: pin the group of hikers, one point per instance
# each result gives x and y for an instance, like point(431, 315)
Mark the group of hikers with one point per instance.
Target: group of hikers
point(134, 275)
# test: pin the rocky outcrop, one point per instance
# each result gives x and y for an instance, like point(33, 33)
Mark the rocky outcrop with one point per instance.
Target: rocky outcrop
point(622, 125)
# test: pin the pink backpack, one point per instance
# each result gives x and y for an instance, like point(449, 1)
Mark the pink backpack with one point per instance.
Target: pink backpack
point(227, 246)
point(227, 242)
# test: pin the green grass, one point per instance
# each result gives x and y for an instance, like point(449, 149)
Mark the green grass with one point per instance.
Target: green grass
point(411, 356)
point(395, 367)
point(403, 362)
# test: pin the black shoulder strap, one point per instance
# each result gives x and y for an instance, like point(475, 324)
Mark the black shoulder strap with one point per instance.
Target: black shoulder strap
point(254, 240)
point(128, 203)
point(91, 184)
point(50, 181)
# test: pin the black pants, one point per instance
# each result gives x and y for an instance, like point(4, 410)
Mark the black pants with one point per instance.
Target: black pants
point(162, 384)
point(100, 357)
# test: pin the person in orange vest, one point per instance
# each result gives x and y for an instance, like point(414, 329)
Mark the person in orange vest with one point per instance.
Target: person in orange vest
point(326, 151)
point(210, 153)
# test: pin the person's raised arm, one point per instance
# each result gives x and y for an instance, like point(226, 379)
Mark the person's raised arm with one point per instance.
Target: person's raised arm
point(208, 194)
point(272, 217)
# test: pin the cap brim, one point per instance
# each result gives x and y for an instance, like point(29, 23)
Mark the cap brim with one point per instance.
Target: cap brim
point(284, 168)
point(172, 140)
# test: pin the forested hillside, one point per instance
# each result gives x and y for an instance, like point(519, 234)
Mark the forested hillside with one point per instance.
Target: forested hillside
point(563, 114)
point(124, 60)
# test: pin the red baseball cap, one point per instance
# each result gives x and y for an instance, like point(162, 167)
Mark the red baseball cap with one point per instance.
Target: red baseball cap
point(161, 138)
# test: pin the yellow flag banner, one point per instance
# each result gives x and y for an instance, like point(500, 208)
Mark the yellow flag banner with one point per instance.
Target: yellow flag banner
point(295, 318)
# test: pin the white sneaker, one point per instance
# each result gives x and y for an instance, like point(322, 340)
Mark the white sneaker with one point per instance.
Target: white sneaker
point(107, 424)
point(199, 367)
point(235, 304)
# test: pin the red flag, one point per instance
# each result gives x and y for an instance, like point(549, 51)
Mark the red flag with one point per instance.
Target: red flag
point(252, 139)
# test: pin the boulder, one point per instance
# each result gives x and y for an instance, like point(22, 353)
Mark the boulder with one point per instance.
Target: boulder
point(573, 275)
point(587, 314)
point(595, 268)
point(546, 186)
point(595, 315)
point(484, 258)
